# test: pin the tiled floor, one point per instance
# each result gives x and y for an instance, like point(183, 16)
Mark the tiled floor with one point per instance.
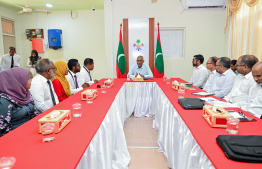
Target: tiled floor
point(142, 144)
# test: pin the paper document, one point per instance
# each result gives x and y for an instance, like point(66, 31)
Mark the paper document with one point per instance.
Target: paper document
point(202, 94)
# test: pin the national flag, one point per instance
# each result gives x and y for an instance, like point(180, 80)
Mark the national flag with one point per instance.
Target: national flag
point(120, 59)
point(159, 61)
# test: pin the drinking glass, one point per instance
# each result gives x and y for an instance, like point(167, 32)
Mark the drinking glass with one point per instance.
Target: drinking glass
point(232, 125)
point(48, 132)
point(181, 91)
point(77, 110)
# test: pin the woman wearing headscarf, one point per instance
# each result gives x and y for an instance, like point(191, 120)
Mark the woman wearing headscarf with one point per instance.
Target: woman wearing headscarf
point(16, 105)
point(60, 82)
point(32, 61)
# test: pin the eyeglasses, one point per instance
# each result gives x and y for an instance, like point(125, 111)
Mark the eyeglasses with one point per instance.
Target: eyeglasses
point(218, 65)
point(208, 63)
point(54, 68)
point(238, 65)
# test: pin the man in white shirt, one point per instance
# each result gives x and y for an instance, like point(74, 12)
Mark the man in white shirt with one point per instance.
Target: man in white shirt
point(200, 73)
point(85, 72)
point(10, 60)
point(74, 77)
point(254, 103)
point(42, 90)
point(211, 65)
point(223, 79)
point(244, 80)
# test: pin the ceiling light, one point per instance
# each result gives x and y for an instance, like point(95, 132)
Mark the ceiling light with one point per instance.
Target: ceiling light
point(49, 5)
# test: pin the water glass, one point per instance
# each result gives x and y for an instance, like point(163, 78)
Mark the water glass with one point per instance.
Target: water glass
point(164, 78)
point(232, 125)
point(77, 110)
point(128, 77)
point(89, 97)
point(181, 91)
point(48, 132)
point(7, 162)
point(103, 89)
point(167, 80)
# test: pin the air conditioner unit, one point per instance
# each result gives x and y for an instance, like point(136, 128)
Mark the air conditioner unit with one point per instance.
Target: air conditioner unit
point(204, 4)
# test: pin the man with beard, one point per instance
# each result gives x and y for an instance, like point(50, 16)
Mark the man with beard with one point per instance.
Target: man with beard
point(74, 77)
point(200, 73)
point(42, 90)
point(224, 78)
point(254, 103)
point(244, 80)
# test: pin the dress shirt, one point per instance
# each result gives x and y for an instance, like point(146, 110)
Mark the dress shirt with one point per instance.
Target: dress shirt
point(223, 83)
point(144, 70)
point(239, 92)
point(6, 61)
point(199, 76)
point(208, 85)
point(71, 79)
point(85, 76)
point(40, 92)
point(254, 103)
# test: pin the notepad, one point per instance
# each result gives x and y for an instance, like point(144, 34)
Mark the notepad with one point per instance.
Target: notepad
point(203, 94)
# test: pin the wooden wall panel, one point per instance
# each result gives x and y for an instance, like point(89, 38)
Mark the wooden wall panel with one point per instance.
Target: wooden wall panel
point(151, 43)
point(125, 43)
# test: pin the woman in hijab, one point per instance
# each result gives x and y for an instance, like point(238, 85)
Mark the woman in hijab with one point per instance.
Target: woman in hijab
point(32, 60)
point(16, 104)
point(60, 82)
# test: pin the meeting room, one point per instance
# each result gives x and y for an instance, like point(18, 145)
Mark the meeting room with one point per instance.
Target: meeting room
point(138, 84)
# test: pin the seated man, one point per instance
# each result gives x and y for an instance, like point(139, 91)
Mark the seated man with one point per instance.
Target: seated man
point(140, 69)
point(244, 80)
point(10, 60)
point(233, 66)
point(85, 72)
point(211, 65)
point(254, 103)
point(74, 77)
point(224, 78)
point(42, 90)
point(200, 73)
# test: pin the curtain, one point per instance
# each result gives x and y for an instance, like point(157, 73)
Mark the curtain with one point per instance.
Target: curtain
point(244, 24)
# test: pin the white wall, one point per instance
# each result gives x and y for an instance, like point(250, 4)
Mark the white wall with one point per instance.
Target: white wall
point(83, 37)
point(204, 30)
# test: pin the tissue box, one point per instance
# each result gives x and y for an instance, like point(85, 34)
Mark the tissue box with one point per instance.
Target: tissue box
point(175, 86)
point(92, 91)
point(108, 83)
point(138, 79)
point(216, 118)
point(60, 117)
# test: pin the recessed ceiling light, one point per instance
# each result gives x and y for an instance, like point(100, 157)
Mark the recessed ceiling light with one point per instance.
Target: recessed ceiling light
point(49, 5)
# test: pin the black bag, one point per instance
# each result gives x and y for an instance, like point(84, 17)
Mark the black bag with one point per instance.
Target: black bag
point(241, 148)
point(191, 103)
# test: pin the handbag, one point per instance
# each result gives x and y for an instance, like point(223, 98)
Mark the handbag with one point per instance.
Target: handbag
point(191, 103)
point(241, 148)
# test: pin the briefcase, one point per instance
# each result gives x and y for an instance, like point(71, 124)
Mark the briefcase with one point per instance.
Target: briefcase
point(241, 148)
point(191, 103)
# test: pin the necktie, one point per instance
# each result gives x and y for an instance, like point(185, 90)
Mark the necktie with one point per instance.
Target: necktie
point(76, 82)
point(12, 62)
point(51, 92)
point(90, 75)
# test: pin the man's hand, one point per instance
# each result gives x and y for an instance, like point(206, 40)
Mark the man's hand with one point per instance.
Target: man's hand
point(85, 85)
point(96, 81)
point(136, 74)
point(141, 75)
point(33, 66)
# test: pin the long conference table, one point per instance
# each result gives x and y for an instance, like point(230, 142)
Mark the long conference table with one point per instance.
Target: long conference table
point(96, 139)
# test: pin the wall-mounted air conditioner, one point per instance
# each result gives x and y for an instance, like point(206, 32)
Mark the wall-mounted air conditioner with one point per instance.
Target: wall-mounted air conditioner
point(204, 4)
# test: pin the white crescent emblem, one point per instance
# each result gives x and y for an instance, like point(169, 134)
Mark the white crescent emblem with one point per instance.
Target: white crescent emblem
point(119, 56)
point(158, 54)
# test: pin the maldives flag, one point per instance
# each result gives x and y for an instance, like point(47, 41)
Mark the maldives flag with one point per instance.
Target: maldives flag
point(159, 61)
point(120, 59)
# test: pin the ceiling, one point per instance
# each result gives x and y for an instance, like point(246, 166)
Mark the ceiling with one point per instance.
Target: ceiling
point(59, 5)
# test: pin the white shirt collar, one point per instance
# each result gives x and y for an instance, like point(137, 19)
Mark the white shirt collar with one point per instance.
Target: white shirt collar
point(249, 75)
point(72, 72)
point(199, 66)
point(141, 67)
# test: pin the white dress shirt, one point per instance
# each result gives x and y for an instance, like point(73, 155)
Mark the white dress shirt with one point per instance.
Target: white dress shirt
point(85, 76)
point(6, 61)
point(223, 83)
point(144, 70)
point(208, 85)
point(199, 76)
point(72, 82)
point(254, 102)
point(239, 92)
point(40, 92)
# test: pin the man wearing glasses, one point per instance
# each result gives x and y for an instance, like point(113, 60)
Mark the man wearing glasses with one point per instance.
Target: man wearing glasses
point(200, 73)
point(211, 66)
point(254, 101)
point(224, 79)
point(244, 80)
point(140, 69)
point(42, 90)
